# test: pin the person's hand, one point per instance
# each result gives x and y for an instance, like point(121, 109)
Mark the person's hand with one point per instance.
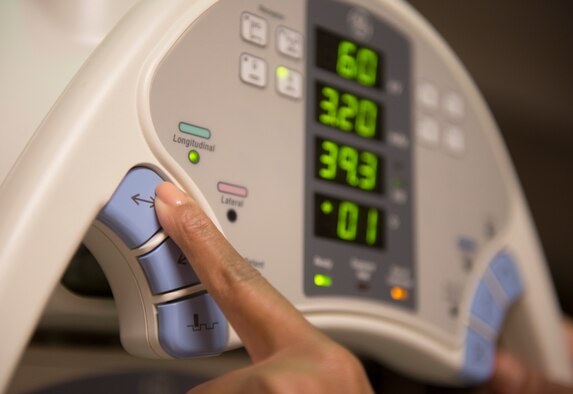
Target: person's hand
point(511, 376)
point(288, 354)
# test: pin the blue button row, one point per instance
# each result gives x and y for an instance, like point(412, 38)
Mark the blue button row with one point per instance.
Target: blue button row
point(490, 310)
point(189, 327)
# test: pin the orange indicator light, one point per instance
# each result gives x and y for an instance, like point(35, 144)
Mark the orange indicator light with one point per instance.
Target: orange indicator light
point(398, 293)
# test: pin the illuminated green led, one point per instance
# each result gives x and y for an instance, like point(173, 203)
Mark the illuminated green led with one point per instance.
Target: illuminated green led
point(194, 157)
point(322, 280)
point(326, 207)
point(282, 72)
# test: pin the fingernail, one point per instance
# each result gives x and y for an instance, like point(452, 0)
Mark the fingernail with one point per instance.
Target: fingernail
point(170, 194)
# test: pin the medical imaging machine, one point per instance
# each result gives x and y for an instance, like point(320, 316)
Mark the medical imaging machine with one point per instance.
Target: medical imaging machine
point(339, 145)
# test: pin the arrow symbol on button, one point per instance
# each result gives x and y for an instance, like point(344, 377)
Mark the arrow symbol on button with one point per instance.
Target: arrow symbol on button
point(136, 199)
point(182, 259)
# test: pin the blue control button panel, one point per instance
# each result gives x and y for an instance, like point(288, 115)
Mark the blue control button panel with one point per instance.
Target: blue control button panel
point(486, 308)
point(489, 306)
point(167, 268)
point(506, 274)
point(192, 327)
point(130, 213)
point(479, 358)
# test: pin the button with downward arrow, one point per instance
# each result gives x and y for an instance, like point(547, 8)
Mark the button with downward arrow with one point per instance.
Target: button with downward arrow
point(167, 269)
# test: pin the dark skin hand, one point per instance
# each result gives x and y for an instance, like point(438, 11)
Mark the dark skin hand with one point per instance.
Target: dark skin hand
point(288, 354)
point(511, 376)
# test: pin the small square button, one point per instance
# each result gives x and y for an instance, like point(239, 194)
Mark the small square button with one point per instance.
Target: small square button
point(289, 82)
point(254, 29)
point(428, 131)
point(289, 42)
point(453, 105)
point(454, 140)
point(428, 95)
point(253, 70)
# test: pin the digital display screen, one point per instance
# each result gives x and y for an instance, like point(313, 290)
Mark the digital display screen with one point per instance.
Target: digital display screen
point(347, 221)
point(348, 112)
point(348, 166)
point(348, 59)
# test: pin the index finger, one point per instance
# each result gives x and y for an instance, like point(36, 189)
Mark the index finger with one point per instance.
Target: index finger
point(264, 320)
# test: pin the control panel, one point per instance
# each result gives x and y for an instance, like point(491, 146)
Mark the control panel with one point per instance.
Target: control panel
point(338, 145)
point(187, 326)
point(359, 186)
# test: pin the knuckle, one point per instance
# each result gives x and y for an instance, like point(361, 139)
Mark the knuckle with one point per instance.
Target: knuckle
point(194, 224)
point(198, 233)
point(240, 271)
point(239, 275)
point(335, 360)
point(279, 383)
point(263, 383)
point(325, 368)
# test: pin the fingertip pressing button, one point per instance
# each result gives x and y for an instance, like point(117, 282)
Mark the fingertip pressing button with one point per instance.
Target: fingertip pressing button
point(192, 327)
point(478, 358)
point(506, 273)
point(167, 268)
point(129, 213)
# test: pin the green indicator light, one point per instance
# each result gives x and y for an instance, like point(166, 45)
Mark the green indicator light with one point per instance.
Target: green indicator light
point(194, 157)
point(326, 207)
point(322, 280)
point(282, 72)
point(197, 131)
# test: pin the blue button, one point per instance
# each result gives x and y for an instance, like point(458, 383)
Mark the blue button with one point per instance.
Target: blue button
point(192, 327)
point(130, 213)
point(478, 358)
point(167, 268)
point(506, 273)
point(486, 308)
